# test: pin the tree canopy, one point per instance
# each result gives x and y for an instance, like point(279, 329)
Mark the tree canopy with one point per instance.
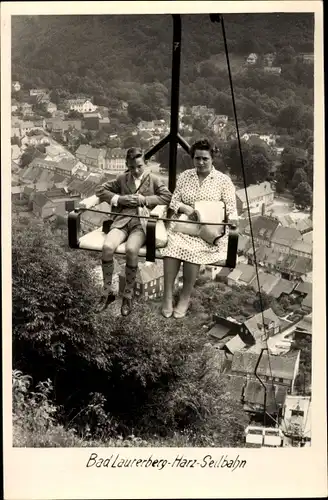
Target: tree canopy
point(134, 64)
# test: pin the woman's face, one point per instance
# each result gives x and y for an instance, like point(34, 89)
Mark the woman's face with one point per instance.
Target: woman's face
point(202, 161)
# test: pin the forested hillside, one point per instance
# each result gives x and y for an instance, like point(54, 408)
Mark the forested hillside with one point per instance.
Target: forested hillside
point(129, 57)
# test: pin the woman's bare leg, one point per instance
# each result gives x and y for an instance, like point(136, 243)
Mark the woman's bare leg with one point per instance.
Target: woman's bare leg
point(171, 269)
point(190, 273)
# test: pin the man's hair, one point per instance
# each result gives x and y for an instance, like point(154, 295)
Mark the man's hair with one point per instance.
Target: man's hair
point(133, 153)
point(203, 145)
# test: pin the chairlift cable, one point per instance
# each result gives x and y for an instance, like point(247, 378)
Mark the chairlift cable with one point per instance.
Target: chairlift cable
point(216, 19)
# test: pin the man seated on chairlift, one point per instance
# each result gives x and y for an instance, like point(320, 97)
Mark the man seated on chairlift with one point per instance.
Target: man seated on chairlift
point(126, 193)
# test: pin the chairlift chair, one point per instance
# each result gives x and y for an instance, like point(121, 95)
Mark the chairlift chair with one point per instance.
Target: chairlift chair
point(95, 239)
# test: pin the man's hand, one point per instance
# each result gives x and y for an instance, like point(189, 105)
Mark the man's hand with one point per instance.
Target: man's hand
point(128, 200)
point(100, 190)
point(141, 200)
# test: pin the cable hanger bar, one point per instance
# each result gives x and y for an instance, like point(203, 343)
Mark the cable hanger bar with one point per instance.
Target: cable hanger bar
point(173, 138)
point(157, 218)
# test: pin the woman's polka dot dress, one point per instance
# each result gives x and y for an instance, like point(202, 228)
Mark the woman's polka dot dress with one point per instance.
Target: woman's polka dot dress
point(215, 187)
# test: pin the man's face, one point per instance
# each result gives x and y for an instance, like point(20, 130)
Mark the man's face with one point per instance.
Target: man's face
point(136, 166)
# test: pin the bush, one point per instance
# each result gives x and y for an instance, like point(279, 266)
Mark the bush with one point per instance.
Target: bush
point(34, 416)
point(111, 374)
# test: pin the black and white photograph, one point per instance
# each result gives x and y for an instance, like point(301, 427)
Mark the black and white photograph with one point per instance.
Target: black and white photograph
point(162, 239)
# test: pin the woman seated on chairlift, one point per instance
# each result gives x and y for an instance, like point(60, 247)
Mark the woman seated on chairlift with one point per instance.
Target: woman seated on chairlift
point(200, 183)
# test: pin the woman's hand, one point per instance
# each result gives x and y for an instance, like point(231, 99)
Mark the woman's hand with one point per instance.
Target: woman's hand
point(186, 209)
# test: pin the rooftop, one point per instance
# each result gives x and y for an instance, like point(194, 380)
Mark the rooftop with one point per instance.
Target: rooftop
point(307, 301)
point(299, 265)
point(235, 344)
point(282, 366)
point(41, 199)
point(26, 124)
point(243, 272)
point(267, 282)
point(304, 287)
point(254, 395)
point(244, 242)
point(220, 331)
point(66, 165)
point(254, 191)
point(116, 153)
point(283, 286)
point(96, 219)
point(305, 324)
point(263, 227)
point(252, 324)
point(285, 236)
point(308, 237)
point(302, 246)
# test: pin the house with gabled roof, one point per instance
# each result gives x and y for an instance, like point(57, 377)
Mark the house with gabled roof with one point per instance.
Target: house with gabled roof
point(223, 329)
point(26, 109)
point(284, 238)
point(38, 91)
point(303, 328)
point(278, 373)
point(282, 287)
point(263, 228)
point(92, 157)
point(253, 330)
point(217, 123)
point(67, 166)
point(307, 303)
point(26, 126)
point(243, 275)
point(302, 289)
point(16, 86)
point(42, 205)
point(103, 123)
point(252, 59)
point(149, 281)
point(293, 267)
point(258, 195)
point(267, 282)
point(116, 160)
point(91, 120)
point(82, 105)
point(275, 70)
point(35, 140)
point(301, 248)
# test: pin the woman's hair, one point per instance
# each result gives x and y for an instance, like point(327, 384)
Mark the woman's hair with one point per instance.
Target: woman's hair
point(203, 145)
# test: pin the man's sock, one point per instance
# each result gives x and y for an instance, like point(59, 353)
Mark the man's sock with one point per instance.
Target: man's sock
point(130, 279)
point(108, 269)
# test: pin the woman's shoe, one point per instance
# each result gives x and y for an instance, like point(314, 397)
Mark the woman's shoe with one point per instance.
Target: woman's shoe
point(167, 313)
point(180, 313)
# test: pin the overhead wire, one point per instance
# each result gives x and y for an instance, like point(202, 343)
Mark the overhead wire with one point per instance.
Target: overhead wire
point(247, 202)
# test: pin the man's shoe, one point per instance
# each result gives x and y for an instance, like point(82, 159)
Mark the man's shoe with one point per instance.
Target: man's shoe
point(105, 300)
point(126, 306)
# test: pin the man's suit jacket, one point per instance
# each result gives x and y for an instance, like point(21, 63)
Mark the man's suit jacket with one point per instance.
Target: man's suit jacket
point(153, 188)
